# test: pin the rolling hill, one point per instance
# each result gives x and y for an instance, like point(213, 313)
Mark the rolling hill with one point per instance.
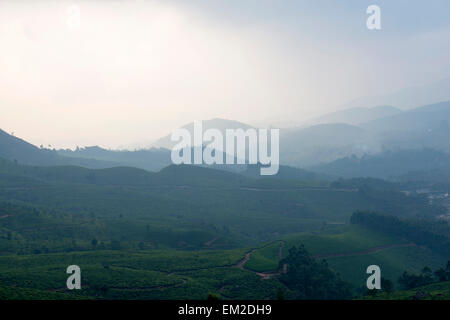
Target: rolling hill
point(217, 123)
point(408, 98)
point(324, 143)
point(15, 149)
point(425, 118)
point(152, 159)
point(355, 116)
point(388, 164)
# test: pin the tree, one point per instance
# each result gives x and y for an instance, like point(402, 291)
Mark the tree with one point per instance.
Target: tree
point(410, 281)
point(309, 279)
point(427, 274)
point(441, 275)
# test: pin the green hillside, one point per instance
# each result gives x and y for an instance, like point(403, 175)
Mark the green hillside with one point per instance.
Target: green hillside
point(156, 274)
point(349, 251)
point(180, 207)
point(187, 231)
point(18, 150)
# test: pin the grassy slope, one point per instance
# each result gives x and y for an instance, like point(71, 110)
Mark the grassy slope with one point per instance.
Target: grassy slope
point(343, 240)
point(392, 263)
point(265, 259)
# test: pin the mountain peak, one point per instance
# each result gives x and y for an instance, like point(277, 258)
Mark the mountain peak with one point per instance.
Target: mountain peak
point(214, 123)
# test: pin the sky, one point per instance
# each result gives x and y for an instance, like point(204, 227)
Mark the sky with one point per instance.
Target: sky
point(121, 74)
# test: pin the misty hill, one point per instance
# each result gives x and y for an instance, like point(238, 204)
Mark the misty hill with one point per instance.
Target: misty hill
point(355, 116)
point(425, 118)
point(424, 127)
point(407, 98)
point(73, 174)
point(324, 143)
point(152, 159)
point(220, 124)
point(182, 175)
point(438, 179)
point(389, 164)
point(16, 149)
point(198, 192)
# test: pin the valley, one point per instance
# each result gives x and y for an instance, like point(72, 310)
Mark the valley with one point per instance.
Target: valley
point(193, 232)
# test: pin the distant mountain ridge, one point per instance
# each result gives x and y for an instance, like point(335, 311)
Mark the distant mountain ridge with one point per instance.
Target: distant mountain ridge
point(324, 143)
point(388, 164)
point(424, 127)
point(408, 98)
point(152, 159)
point(300, 147)
point(355, 116)
point(419, 119)
point(16, 149)
point(216, 123)
point(172, 175)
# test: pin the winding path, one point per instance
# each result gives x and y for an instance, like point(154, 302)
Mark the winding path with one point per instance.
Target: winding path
point(266, 274)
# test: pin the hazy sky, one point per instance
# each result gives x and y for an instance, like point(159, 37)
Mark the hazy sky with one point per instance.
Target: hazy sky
point(130, 71)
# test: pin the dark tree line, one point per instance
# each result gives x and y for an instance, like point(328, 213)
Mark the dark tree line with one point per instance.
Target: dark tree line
point(410, 280)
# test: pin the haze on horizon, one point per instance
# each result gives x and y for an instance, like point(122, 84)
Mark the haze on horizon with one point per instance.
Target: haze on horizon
point(131, 71)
